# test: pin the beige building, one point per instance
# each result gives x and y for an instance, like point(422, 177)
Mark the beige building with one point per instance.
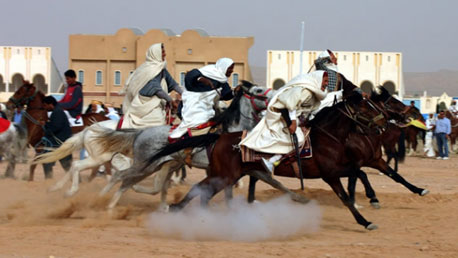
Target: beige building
point(33, 64)
point(364, 69)
point(103, 62)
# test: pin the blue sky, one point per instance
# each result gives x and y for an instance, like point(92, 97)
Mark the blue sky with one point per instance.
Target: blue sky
point(424, 31)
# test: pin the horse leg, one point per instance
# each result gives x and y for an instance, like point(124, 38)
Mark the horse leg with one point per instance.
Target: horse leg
point(165, 187)
point(32, 171)
point(251, 189)
point(195, 191)
point(337, 187)
point(183, 174)
point(267, 178)
point(10, 169)
point(93, 175)
point(370, 193)
point(47, 168)
point(351, 188)
point(81, 165)
point(385, 169)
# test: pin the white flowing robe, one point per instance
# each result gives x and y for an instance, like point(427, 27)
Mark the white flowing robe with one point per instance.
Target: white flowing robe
point(201, 112)
point(271, 134)
point(140, 111)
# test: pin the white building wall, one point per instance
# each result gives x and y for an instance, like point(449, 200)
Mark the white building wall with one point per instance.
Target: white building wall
point(27, 62)
point(377, 68)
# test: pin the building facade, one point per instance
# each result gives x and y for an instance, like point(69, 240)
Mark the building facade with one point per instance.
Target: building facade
point(33, 64)
point(365, 69)
point(104, 62)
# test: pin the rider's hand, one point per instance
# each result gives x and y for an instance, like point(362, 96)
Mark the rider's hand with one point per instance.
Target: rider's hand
point(292, 127)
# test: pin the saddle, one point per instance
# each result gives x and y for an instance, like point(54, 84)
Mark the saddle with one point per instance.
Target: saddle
point(4, 125)
point(305, 150)
point(195, 131)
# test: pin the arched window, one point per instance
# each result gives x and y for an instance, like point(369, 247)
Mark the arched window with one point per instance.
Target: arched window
point(117, 78)
point(235, 79)
point(389, 86)
point(367, 87)
point(182, 75)
point(278, 83)
point(81, 76)
point(98, 78)
point(2, 84)
point(18, 81)
point(39, 82)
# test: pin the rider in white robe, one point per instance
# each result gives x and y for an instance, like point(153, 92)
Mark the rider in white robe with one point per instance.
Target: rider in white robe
point(204, 88)
point(146, 91)
point(298, 97)
point(453, 109)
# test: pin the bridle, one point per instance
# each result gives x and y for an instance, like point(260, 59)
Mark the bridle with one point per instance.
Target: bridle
point(24, 100)
point(363, 121)
point(252, 97)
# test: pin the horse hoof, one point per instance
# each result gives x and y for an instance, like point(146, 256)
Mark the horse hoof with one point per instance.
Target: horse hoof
point(164, 208)
point(70, 193)
point(375, 205)
point(174, 208)
point(424, 192)
point(371, 226)
point(357, 206)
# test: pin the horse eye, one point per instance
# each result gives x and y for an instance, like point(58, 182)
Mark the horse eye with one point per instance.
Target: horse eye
point(259, 91)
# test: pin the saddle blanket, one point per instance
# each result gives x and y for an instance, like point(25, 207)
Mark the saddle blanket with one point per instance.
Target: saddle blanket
point(195, 131)
point(249, 155)
point(4, 125)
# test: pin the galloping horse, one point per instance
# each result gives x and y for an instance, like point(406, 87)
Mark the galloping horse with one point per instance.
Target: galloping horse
point(412, 131)
point(332, 155)
point(13, 144)
point(242, 114)
point(454, 134)
point(34, 114)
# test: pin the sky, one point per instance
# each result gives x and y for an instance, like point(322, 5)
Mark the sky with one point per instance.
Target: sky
point(425, 31)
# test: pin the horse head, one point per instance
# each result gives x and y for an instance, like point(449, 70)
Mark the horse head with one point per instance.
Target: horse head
point(394, 108)
point(22, 96)
point(365, 112)
point(245, 109)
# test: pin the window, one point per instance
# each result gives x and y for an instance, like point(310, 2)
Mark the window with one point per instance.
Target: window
point(81, 76)
point(279, 56)
point(345, 57)
point(367, 58)
point(98, 78)
point(389, 58)
point(235, 79)
point(182, 74)
point(117, 78)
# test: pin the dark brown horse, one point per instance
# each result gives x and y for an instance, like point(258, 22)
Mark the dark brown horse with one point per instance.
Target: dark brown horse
point(330, 160)
point(411, 132)
point(28, 95)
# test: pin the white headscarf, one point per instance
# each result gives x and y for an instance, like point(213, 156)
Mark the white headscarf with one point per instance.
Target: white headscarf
point(217, 71)
point(330, 65)
point(312, 81)
point(152, 66)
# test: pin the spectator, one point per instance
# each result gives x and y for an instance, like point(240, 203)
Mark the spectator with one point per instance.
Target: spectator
point(442, 131)
point(428, 149)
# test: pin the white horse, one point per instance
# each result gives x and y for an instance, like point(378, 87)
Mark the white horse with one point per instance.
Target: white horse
point(96, 157)
point(13, 147)
point(244, 113)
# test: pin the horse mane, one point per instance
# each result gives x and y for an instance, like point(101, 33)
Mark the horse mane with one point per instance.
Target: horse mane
point(232, 114)
point(328, 114)
point(381, 95)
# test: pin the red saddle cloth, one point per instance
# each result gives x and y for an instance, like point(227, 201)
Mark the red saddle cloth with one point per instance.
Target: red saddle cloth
point(195, 131)
point(4, 125)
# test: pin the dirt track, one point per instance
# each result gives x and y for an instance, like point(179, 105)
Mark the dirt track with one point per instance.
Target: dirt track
point(35, 223)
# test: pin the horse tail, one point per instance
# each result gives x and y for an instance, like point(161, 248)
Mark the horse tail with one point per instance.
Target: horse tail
point(73, 143)
point(115, 141)
point(401, 154)
point(193, 142)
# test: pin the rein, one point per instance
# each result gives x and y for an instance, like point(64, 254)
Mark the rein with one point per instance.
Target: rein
point(257, 109)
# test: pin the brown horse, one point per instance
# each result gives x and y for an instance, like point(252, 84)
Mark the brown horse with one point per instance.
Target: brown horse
point(454, 133)
point(330, 160)
point(28, 95)
point(411, 131)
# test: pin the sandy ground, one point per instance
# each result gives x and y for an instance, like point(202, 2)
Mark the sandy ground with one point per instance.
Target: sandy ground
point(35, 223)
